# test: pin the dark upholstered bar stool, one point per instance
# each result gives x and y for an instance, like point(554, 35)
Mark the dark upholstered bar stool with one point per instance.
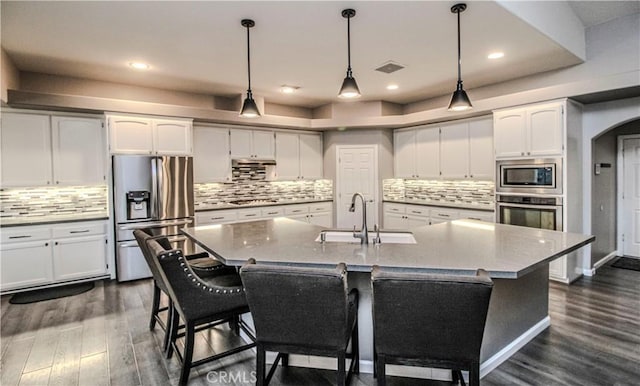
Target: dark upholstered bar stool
point(430, 320)
point(197, 303)
point(302, 311)
point(204, 266)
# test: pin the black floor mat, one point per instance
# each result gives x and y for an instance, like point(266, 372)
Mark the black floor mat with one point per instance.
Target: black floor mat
point(50, 293)
point(627, 263)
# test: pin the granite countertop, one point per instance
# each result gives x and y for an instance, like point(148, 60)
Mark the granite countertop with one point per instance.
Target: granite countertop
point(456, 247)
point(42, 220)
point(456, 205)
point(261, 204)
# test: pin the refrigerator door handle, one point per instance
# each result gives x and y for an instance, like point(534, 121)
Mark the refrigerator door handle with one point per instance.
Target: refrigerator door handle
point(128, 244)
point(154, 188)
point(155, 224)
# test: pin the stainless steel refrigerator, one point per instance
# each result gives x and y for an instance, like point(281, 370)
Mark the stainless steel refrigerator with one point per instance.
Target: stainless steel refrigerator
point(150, 192)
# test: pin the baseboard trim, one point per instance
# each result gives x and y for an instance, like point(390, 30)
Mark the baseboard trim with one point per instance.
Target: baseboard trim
point(600, 263)
point(498, 358)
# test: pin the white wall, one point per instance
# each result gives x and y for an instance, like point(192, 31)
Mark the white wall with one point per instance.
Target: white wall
point(596, 119)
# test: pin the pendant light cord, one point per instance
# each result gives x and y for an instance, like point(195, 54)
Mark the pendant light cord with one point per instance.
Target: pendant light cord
point(459, 54)
point(349, 46)
point(248, 61)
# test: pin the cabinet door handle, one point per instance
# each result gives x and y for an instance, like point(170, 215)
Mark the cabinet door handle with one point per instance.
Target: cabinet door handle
point(217, 218)
point(46, 244)
point(20, 237)
point(443, 215)
point(250, 215)
point(272, 212)
point(84, 231)
point(56, 243)
point(522, 153)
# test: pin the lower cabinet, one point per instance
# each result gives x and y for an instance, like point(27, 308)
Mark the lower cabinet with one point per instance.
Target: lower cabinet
point(407, 216)
point(314, 213)
point(47, 254)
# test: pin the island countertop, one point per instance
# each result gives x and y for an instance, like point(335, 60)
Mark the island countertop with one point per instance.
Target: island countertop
point(456, 247)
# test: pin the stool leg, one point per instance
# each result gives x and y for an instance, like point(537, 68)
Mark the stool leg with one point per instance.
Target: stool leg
point(355, 348)
point(380, 370)
point(474, 375)
point(189, 335)
point(342, 358)
point(260, 365)
point(155, 305)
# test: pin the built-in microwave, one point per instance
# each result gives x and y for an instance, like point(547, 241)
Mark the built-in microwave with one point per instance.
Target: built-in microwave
point(537, 176)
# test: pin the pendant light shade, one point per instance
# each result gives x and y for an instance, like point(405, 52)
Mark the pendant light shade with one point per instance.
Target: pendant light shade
point(249, 107)
point(349, 87)
point(459, 100)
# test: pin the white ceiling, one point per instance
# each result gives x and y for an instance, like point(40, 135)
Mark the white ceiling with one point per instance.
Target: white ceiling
point(201, 46)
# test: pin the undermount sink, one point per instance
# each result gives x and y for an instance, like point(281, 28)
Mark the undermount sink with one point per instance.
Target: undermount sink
point(346, 236)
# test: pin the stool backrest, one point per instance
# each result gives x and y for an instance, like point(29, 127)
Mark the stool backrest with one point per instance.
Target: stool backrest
point(298, 306)
point(430, 316)
point(142, 237)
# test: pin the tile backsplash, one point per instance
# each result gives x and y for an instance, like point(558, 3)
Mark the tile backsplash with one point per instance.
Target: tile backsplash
point(52, 201)
point(443, 191)
point(214, 194)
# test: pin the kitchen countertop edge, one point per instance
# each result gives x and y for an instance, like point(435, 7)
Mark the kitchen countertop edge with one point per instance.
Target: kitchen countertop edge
point(225, 207)
point(49, 221)
point(482, 208)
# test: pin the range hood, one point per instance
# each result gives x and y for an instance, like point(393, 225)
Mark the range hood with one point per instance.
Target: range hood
point(252, 161)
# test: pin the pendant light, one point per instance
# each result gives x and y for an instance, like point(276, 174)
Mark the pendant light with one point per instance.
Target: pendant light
point(459, 100)
point(349, 87)
point(249, 107)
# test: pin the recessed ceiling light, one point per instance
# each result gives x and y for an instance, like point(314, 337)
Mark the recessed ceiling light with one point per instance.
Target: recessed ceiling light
point(139, 65)
point(495, 55)
point(286, 89)
point(392, 87)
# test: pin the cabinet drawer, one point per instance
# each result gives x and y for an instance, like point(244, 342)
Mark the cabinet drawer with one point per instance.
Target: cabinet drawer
point(394, 208)
point(444, 214)
point(21, 234)
point(320, 207)
point(478, 215)
point(417, 211)
point(296, 209)
point(216, 217)
point(272, 211)
point(249, 214)
point(80, 229)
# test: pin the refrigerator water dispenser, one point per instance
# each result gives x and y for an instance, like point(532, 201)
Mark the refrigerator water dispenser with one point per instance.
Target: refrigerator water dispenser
point(138, 205)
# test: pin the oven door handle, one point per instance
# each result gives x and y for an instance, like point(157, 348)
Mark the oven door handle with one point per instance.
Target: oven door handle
point(529, 206)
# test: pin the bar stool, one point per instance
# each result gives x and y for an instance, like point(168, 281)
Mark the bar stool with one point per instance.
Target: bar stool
point(429, 320)
point(197, 303)
point(305, 311)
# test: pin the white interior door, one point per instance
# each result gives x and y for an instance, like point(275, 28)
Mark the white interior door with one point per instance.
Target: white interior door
point(631, 197)
point(357, 172)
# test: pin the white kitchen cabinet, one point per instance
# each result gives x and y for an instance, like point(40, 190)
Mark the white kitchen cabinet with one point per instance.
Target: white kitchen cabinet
point(311, 167)
point(78, 151)
point(211, 161)
point(287, 156)
point(143, 135)
point(298, 156)
point(25, 144)
point(321, 214)
point(48, 254)
point(481, 155)
point(529, 132)
point(256, 144)
point(212, 217)
point(172, 137)
point(404, 153)
point(478, 215)
point(41, 150)
point(417, 153)
point(454, 151)
point(402, 217)
point(440, 215)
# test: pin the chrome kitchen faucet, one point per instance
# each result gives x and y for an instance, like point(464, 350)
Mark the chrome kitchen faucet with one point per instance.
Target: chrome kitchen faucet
point(363, 235)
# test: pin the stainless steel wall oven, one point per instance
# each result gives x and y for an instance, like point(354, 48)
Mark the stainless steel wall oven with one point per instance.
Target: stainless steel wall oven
point(544, 212)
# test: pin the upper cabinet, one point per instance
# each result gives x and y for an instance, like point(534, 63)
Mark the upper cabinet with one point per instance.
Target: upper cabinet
point(466, 150)
point(142, 135)
point(457, 150)
point(533, 131)
point(25, 141)
point(256, 144)
point(211, 162)
point(78, 151)
point(40, 150)
point(417, 153)
point(298, 156)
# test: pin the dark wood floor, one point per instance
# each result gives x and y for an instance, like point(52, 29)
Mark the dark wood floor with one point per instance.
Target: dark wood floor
point(101, 338)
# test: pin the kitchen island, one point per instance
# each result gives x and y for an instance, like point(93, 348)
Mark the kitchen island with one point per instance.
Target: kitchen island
point(517, 259)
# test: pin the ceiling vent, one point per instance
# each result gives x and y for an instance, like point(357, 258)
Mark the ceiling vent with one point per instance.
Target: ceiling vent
point(390, 67)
